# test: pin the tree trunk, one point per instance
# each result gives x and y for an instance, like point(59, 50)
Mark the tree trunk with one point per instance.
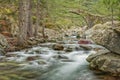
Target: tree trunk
point(112, 19)
point(22, 25)
point(37, 18)
point(29, 10)
point(24, 21)
point(43, 31)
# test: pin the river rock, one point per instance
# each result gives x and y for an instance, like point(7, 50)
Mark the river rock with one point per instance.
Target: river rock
point(31, 58)
point(8, 66)
point(84, 41)
point(35, 51)
point(2, 52)
point(86, 47)
point(69, 49)
point(107, 62)
point(3, 44)
point(41, 62)
point(67, 60)
point(107, 36)
point(31, 42)
point(50, 45)
point(58, 47)
point(10, 55)
point(78, 48)
point(3, 41)
point(60, 57)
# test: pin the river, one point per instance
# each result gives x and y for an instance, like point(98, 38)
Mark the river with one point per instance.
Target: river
point(52, 64)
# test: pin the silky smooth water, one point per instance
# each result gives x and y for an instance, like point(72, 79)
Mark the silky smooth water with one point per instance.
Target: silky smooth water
point(66, 66)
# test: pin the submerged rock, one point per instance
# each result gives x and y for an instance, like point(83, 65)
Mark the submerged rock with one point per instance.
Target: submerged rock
point(13, 71)
point(60, 57)
point(4, 78)
point(31, 58)
point(69, 49)
point(10, 55)
point(86, 47)
point(41, 62)
point(4, 66)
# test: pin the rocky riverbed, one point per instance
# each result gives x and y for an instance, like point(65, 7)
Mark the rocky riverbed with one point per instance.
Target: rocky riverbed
point(63, 60)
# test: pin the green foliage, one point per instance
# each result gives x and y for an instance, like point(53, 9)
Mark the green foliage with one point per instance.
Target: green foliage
point(113, 6)
point(57, 11)
point(111, 3)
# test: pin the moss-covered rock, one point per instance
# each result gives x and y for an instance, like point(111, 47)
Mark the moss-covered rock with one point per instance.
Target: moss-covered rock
point(29, 74)
point(3, 42)
point(8, 66)
point(15, 77)
point(4, 78)
point(106, 62)
point(106, 35)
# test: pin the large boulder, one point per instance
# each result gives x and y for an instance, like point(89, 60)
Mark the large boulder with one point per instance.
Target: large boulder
point(105, 61)
point(106, 35)
point(109, 37)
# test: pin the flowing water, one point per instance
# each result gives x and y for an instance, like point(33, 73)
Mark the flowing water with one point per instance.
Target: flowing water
point(57, 65)
point(76, 68)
